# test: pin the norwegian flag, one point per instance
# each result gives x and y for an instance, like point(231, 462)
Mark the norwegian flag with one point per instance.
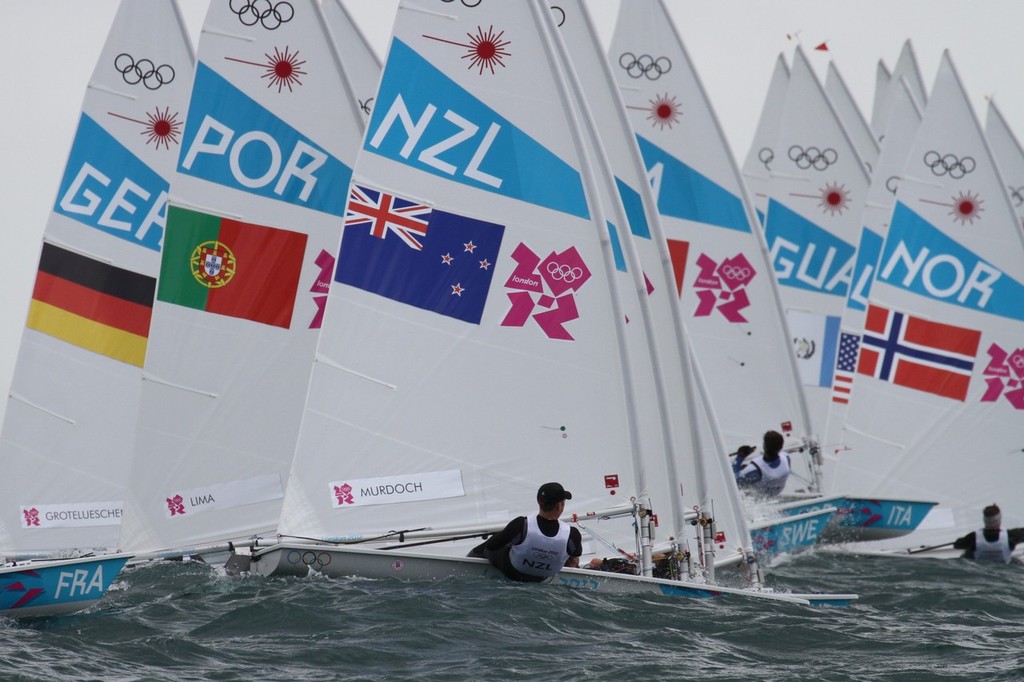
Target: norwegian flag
point(846, 366)
point(917, 353)
point(385, 213)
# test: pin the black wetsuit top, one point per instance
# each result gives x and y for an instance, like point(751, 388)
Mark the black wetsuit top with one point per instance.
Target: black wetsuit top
point(496, 548)
point(967, 542)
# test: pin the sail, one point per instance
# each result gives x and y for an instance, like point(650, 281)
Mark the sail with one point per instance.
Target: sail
point(849, 113)
point(468, 351)
point(252, 231)
point(68, 434)
point(882, 79)
point(899, 133)
point(362, 66)
point(906, 68)
point(1008, 153)
point(758, 165)
point(937, 411)
point(812, 228)
point(729, 301)
point(694, 449)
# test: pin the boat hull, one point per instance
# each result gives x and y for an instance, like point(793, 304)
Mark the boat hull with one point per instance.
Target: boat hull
point(865, 520)
point(790, 533)
point(56, 588)
point(338, 562)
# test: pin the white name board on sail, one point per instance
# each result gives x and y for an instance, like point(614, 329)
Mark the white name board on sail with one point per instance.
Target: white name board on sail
point(393, 489)
point(71, 515)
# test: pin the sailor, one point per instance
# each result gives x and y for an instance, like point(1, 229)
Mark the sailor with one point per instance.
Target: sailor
point(534, 548)
point(766, 474)
point(991, 543)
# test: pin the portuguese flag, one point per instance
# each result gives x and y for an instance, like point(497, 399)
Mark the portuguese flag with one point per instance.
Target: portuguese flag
point(229, 267)
point(92, 305)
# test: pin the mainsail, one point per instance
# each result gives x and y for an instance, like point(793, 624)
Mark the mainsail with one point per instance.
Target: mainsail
point(812, 228)
point(728, 297)
point(256, 210)
point(763, 153)
point(938, 405)
point(467, 354)
point(68, 436)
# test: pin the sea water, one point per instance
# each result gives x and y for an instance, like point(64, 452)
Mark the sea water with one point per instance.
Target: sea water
point(917, 619)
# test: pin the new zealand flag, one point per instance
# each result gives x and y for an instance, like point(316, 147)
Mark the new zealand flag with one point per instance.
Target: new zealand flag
point(430, 259)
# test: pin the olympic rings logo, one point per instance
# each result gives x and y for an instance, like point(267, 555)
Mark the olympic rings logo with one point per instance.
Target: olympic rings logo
point(812, 157)
point(735, 272)
point(644, 65)
point(564, 273)
point(559, 15)
point(892, 183)
point(366, 105)
point(269, 14)
point(143, 71)
point(309, 558)
point(467, 3)
point(949, 164)
point(766, 155)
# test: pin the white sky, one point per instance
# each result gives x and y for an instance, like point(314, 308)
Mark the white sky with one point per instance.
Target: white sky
point(52, 47)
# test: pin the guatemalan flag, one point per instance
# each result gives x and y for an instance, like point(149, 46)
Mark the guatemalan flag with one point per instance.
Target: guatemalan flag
point(921, 354)
point(423, 257)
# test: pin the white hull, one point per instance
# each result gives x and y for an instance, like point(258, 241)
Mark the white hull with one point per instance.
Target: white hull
point(338, 562)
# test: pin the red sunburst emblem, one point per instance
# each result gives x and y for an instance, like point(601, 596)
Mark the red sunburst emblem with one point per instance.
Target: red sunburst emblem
point(664, 111)
point(485, 50)
point(966, 208)
point(161, 128)
point(283, 69)
point(834, 198)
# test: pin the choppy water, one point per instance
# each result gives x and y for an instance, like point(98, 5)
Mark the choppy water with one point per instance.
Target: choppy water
point(916, 620)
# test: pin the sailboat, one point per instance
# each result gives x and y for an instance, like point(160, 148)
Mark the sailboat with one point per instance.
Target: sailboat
point(255, 214)
point(936, 409)
point(723, 276)
point(67, 437)
point(471, 340)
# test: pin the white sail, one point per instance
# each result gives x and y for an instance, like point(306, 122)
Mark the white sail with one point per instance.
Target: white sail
point(256, 211)
point(68, 435)
point(762, 155)
point(849, 113)
point(362, 66)
point(882, 79)
point(1008, 153)
point(728, 298)
point(467, 353)
point(938, 407)
point(812, 228)
point(898, 136)
point(907, 69)
point(694, 460)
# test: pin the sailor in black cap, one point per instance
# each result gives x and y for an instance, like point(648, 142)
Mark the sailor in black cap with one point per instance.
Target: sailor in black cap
point(534, 548)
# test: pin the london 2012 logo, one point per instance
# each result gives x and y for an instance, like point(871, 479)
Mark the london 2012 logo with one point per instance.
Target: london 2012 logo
point(213, 264)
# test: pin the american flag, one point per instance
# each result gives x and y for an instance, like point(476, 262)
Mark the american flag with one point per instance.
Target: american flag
point(385, 213)
point(846, 365)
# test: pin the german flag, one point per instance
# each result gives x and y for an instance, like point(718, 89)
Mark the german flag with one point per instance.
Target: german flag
point(92, 305)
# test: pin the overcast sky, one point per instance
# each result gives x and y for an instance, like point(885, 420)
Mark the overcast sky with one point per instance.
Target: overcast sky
point(52, 47)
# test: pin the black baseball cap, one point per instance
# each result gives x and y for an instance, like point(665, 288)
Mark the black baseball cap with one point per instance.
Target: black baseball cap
point(553, 492)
